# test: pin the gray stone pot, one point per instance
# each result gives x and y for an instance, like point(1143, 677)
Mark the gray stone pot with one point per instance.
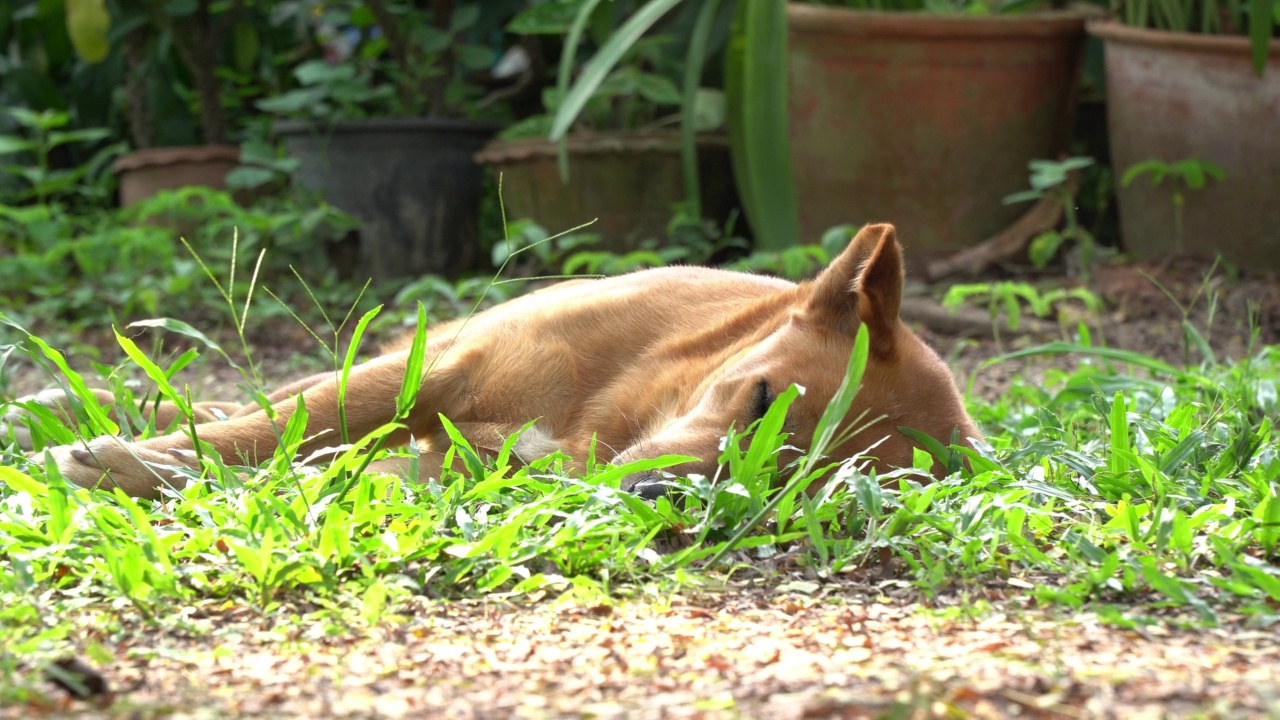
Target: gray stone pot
point(410, 182)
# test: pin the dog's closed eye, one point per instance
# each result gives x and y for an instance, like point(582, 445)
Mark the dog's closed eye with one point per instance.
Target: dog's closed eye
point(761, 399)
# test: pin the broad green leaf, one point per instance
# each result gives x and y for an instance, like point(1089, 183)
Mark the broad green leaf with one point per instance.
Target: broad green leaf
point(245, 45)
point(185, 330)
point(10, 144)
point(154, 372)
point(57, 138)
point(314, 72)
point(88, 23)
point(19, 482)
point(548, 18)
point(838, 408)
point(1024, 196)
point(98, 420)
point(767, 431)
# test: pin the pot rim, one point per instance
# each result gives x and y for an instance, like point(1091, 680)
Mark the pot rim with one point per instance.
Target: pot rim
point(1114, 31)
point(816, 19)
point(502, 150)
point(377, 125)
point(174, 155)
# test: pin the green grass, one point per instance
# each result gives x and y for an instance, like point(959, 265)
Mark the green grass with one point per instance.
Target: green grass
point(1142, 491)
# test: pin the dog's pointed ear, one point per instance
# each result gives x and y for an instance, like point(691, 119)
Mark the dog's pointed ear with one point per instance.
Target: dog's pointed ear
point(863, 284)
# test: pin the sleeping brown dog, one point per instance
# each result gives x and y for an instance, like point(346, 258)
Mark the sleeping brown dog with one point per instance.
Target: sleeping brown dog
point(652, 363)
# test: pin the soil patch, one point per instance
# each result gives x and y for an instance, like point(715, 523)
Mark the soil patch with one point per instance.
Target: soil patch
point(843, 651)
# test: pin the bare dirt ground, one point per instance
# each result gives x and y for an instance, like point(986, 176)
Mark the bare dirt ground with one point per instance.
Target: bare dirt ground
point(860, 646)
point(847, 650)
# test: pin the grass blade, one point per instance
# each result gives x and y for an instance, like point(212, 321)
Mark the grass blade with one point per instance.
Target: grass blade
point(348, 362)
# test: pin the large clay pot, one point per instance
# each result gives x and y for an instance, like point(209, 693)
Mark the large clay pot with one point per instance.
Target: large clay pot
point(627, 182)
point(410, 182)
point(926, 121)
point(144, 173)
point(1178, 96)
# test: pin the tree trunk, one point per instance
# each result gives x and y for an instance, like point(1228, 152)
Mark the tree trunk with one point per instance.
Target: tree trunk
point(197, 43)
point(141, 124)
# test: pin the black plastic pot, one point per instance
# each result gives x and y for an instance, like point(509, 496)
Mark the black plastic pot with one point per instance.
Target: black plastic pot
point(410, 182)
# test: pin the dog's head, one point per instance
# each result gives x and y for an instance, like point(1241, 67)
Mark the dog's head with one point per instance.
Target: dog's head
point(905, 384)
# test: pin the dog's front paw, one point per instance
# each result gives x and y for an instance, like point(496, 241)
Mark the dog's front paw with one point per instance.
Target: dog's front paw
point(109, 462)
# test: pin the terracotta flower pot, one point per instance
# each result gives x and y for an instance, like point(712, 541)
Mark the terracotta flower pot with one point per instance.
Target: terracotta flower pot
point(143, 173)
point(410, 182)
point(1178, 96)
point(926, 121)
point(627, 182)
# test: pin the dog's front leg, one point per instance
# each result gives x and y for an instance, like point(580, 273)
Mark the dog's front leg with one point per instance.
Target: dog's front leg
point(142, 468)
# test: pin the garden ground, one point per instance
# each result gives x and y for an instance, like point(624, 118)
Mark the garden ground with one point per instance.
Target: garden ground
point(859, 647)
point(788, 645)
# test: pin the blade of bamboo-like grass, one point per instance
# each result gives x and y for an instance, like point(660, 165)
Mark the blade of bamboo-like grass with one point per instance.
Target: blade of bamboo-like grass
point(756, 99)
point(1261, 28)
point(694, 64)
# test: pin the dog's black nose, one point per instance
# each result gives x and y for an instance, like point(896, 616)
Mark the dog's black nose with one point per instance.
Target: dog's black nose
point(652, 490)
point(649, 487)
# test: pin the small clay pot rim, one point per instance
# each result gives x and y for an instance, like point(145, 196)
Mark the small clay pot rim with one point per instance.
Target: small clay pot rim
point(818, 20)
point(593, 143)
point(161, 156)
point(382, 125)
point(1113, 31)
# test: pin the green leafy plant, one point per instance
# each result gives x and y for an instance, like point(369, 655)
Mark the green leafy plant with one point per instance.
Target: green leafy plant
point(1010, 297)
point(1054, 179)
point(262, 163)
point(96, 267)
point(391, 58)
point(42, 133)
point(639, 93)
point(330, 91)
point(629, 84)
point(1190, 174)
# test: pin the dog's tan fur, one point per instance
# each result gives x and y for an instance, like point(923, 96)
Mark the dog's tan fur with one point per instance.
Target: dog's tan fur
point(657, 362)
